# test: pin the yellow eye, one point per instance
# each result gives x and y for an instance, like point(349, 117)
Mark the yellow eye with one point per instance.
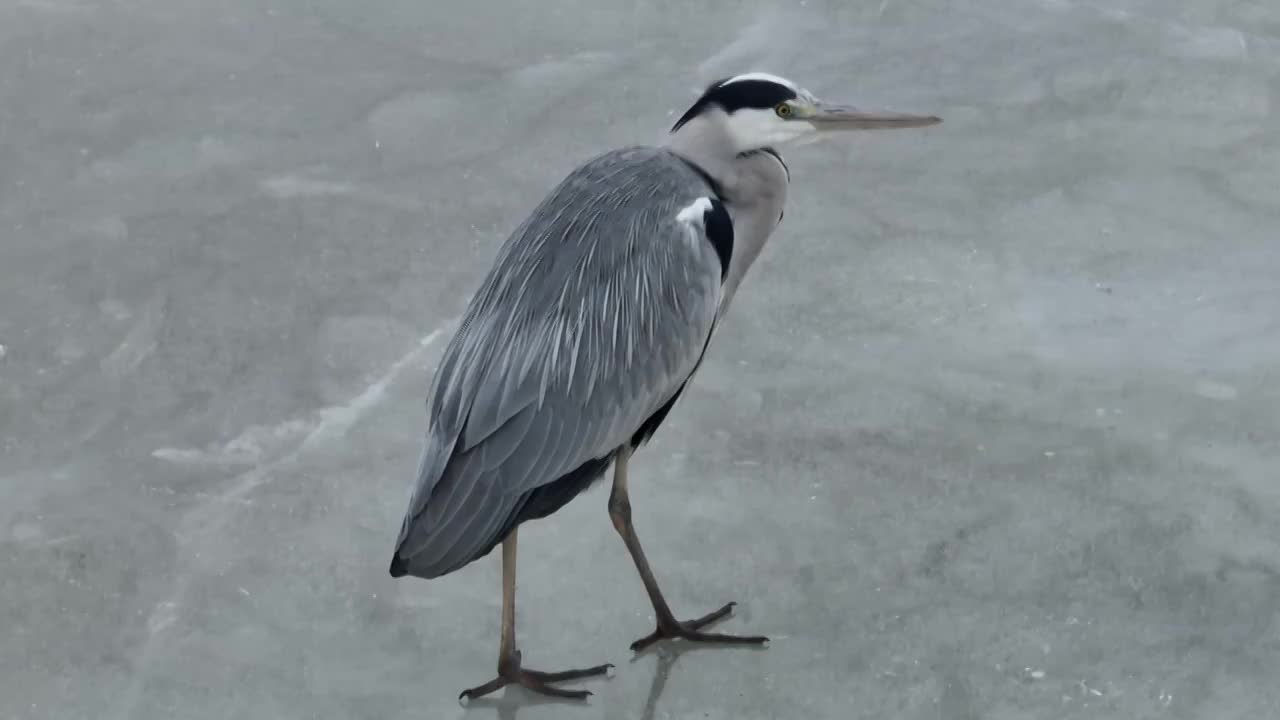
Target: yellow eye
point(783, 110)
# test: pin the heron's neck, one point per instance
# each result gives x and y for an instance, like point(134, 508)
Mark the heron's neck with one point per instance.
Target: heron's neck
point(705, 142)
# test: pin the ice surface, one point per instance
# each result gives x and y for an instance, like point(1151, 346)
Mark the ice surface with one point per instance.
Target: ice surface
point(992, 431)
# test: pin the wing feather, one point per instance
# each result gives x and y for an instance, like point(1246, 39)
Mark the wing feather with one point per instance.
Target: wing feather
point(595, 314)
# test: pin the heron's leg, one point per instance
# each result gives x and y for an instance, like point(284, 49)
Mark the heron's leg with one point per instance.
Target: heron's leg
point(509, 670)
point(668, 626)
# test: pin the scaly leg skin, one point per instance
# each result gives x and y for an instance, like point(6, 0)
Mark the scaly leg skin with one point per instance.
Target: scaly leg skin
point(509, 670)
point(668, 627)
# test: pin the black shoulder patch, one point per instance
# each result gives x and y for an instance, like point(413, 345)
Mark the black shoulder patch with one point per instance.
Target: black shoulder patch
point(760, 94)
point(719, 227)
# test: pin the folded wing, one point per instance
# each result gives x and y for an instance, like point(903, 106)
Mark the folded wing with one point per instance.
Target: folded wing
point(597, 311)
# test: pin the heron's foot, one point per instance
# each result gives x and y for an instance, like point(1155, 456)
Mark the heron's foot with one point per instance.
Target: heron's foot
point(510, 673)
point(669, 628)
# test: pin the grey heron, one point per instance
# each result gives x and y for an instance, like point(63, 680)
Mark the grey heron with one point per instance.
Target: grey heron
point(595, 314)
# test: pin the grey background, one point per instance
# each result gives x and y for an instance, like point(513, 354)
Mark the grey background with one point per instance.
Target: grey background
point(990, 433)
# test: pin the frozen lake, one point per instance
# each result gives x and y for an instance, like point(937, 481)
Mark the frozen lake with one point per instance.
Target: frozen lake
point(992, 431)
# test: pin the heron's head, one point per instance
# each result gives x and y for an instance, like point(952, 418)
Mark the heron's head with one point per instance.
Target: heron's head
point(758, 110)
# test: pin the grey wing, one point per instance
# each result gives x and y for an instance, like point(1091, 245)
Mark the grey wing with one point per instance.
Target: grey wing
point(596, 312)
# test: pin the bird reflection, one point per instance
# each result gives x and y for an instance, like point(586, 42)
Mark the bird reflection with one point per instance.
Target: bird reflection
point(667, 657)
point(514, 698)
point(668, 654)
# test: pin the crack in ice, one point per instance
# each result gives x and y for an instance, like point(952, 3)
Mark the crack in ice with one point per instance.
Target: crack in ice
point(204, 519)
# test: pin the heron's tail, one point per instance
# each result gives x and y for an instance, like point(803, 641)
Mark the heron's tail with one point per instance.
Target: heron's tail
point(431, 468)
point(399, 566)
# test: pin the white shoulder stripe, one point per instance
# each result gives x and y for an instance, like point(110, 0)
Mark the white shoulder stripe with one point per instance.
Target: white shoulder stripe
point(695, 212)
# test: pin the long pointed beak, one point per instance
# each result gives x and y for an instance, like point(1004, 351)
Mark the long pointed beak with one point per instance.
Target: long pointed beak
point(827, 116)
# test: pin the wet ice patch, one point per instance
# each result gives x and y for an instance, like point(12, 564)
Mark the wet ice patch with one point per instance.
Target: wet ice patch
point(769, 42)
point(138, 343)
point(296, 186)
point(33, 534)
point(169, 159)
point(55, 6)
point(251, 446)
point(257, 445)
point(1208, 43)
point(26, 532)
point(69, 350)
point(1215, 390)
point(352, 350)
point(336, 420)
point(426, 124)
point(115, 310)
point(164, 615)
point(109, 226)
point(560, 73)
point(1175, 103)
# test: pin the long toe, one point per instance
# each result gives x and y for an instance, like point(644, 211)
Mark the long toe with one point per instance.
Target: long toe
point(695, 636)
point(549, 677)
point(709, 618)
point(482, 690)
point(542, 688)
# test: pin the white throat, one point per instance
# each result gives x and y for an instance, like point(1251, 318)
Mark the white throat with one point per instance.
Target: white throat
point(707, 142)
